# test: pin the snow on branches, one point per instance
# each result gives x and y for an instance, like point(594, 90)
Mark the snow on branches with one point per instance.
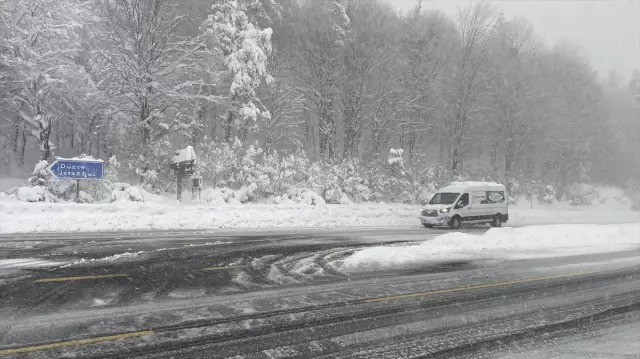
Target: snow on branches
point(246, 49)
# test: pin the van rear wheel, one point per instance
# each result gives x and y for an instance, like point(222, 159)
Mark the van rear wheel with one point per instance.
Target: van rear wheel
point(497, 221)
point(454, 223)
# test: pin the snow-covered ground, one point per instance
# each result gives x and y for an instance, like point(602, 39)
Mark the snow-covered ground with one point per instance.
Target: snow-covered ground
point(501, 243)
point(162, 213)
point(18, 216)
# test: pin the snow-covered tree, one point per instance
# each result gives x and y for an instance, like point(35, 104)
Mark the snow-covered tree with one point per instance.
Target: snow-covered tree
point(322, 27)
point(395, 161)
point(515, 97)
point(152, 74)
point(475, 24)
point(245, 49)
point(39, 49)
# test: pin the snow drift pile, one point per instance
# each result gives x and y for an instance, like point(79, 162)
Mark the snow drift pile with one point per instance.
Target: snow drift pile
point(501, 243)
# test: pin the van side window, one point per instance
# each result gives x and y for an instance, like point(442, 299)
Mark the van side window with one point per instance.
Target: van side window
point(494, 197)
point(478, 197)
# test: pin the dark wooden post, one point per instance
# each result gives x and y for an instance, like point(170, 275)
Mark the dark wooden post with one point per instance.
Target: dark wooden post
point(180, 175)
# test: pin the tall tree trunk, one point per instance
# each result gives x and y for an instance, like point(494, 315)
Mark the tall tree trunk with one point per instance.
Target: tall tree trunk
point(509, 158)
point(411, 145)
point(58, 135)
point(494, 155)
point(228, 123)
point(98, 144)
point(458, 137)
point(228, 127)
point(23, 145)
point(13, 140)
point(327, 128)
point(443, 149)
point(73, 136)
point(45, 132)
point(349, 143)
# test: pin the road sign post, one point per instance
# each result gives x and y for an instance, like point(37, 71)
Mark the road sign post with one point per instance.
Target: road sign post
point(77, 169)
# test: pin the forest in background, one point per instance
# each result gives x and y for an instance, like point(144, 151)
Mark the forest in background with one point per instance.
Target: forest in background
point(348, 98)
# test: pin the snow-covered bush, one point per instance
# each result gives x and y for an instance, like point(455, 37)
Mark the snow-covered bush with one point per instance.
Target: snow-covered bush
point(581, 194)
point(546, 194)
point(85, 197)
point(432, 175)
point(215, 195)
point(395, 160)
point(405, 197)
point(44, 187)
point(333, 194)
point(40, 175)
point(425, 193)
point(246, 193)
point(306, 196)
point(127, 192)
point(102, 190)
point(514, 188)
point(352, 181)
point(393, 180)
point(151, 169)
point(257, 174)
point(35, 194)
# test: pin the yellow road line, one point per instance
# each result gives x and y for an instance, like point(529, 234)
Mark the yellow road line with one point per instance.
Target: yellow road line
point(75, 342)
point(219, 268)
point(472, 287)
point(86, 277)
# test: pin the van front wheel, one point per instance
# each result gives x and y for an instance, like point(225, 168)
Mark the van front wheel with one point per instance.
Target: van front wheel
point(497, 221)
point(454, 223)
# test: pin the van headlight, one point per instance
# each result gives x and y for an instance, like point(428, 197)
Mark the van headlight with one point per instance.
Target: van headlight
point(445, 210)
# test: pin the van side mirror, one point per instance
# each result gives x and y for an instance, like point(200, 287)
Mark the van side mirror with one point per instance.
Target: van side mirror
point(459, 205)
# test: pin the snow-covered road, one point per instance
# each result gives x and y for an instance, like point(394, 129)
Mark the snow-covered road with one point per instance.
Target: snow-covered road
point(192, 295)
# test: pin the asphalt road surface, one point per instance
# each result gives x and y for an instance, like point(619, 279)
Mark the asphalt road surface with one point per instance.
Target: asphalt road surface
point(285, 295)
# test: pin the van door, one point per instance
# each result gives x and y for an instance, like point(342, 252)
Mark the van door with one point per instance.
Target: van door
point(479, 209)
point(463, 207)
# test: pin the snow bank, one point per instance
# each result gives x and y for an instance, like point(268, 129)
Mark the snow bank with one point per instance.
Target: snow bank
point(501, 243)
point(16, 216)
point(27, 263)
point(296, 212)
point(32, 194)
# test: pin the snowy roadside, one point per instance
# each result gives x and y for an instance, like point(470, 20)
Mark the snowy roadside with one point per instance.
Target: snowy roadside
point(17, 216)
point(501, 243)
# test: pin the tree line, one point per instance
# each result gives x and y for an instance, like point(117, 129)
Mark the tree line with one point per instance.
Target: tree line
point(328, 80)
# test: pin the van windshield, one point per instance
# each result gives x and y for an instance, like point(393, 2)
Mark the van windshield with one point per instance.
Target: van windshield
point(443, 198)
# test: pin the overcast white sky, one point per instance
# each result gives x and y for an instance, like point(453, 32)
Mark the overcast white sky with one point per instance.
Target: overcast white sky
point(607, 31)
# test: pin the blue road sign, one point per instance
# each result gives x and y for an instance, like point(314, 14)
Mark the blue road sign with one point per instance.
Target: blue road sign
point(63, 168)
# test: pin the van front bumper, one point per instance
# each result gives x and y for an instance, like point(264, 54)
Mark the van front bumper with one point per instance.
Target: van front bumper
point(434, 220)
